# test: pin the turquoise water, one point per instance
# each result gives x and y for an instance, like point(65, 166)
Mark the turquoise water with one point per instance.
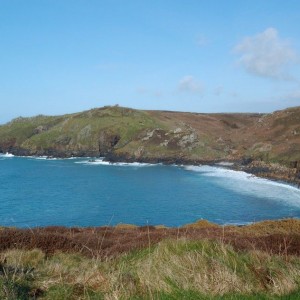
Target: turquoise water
point(76, 192)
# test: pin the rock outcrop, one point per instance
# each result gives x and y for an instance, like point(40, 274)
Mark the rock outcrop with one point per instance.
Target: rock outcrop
point(270, 141)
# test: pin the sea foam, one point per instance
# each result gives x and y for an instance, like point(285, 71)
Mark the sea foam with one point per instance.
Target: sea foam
point(225, 163)
point(101, 161)
point(245, 183)
point(6, 155)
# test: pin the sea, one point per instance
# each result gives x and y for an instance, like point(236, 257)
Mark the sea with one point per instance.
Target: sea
point(37, 191)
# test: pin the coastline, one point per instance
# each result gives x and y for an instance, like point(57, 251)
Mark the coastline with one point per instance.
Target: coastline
point(89, 260)
point(267, 170)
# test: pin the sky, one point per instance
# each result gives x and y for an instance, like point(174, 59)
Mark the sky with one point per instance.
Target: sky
point(64, 56)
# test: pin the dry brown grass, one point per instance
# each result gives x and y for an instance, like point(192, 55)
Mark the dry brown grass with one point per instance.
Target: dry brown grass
point(201, 224)
point(125, 226)
point(285, 226)
point(207, 267)
point(271, 236)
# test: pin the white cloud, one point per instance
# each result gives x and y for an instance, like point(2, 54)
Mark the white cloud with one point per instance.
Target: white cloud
point(190, 84)
point(266, 54)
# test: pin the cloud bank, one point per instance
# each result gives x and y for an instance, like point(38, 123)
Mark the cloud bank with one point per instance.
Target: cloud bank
point(266, 54)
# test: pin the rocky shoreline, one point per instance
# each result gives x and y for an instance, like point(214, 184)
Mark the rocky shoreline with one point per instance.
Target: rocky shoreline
point(262, 145)
point(274, 171)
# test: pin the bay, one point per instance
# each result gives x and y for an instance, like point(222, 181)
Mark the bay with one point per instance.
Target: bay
point(91, 192)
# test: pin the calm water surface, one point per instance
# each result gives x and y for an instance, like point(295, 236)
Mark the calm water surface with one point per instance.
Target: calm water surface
point(76, 192)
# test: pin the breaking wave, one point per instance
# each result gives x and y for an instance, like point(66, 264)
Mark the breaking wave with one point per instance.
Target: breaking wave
point(245, 183)
point(101, 161)
point(5, 155)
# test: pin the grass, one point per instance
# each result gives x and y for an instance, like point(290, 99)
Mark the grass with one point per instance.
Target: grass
point(79, 131)
point(21, 129)
point(172, 269)
point(220, 136)
point(284, 226)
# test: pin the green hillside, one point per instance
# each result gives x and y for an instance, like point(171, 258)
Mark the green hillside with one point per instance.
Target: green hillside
point(126, 134)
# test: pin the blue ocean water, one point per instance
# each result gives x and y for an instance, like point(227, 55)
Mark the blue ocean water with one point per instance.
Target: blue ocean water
point(79, 192)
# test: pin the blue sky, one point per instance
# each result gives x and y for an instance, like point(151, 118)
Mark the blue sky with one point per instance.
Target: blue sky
point(63, 56)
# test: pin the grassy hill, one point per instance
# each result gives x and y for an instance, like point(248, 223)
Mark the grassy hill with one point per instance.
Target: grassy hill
point(127, 134)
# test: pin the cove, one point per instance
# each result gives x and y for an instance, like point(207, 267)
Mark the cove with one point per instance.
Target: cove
point(90, 192)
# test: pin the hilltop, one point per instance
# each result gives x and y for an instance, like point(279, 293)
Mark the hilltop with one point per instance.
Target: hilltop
point(124, 134)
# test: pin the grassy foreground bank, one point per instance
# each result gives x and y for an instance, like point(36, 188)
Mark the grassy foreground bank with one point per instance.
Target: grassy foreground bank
point(200, 261)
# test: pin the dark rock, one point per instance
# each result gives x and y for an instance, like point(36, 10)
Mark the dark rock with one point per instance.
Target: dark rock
point(246, 161)
point(107, 140)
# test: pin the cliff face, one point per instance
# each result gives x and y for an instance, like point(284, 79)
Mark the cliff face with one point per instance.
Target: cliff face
point(126, 134)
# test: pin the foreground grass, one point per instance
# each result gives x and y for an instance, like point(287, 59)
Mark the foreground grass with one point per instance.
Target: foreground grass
point(172, 269)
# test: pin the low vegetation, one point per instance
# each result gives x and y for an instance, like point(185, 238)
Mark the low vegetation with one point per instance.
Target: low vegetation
point(200, 261)
point(128, 134)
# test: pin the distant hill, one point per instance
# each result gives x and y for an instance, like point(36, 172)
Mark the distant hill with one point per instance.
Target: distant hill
point(127, 134)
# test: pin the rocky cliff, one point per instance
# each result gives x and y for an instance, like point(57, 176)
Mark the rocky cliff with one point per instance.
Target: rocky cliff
point(120, 133)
